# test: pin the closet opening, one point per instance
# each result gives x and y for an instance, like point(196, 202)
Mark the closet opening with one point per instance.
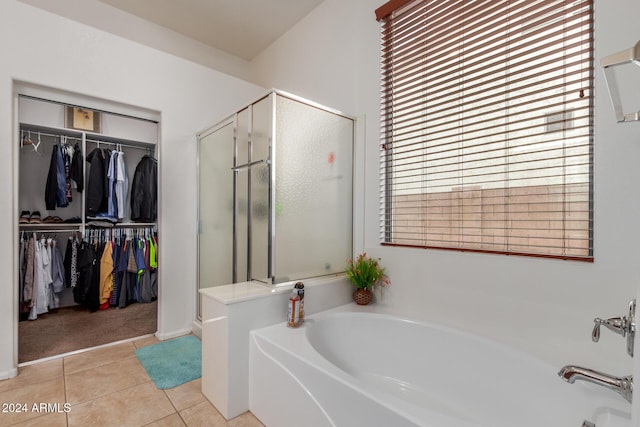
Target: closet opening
point(87, 227)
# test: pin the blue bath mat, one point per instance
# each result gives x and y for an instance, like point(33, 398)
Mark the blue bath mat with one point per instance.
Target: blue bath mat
point(173, 362)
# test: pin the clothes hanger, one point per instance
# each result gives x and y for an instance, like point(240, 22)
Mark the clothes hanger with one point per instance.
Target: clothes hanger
point(34, 145)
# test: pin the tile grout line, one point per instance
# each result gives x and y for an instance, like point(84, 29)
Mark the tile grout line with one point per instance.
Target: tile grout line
point(174, 407)
point(105, 362)
point(105, 395)
point(183, 409)
point(102, 364)
point(64, 386)
point(64, 383)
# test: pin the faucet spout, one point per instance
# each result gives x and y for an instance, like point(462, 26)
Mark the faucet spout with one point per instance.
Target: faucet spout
point(621, 385)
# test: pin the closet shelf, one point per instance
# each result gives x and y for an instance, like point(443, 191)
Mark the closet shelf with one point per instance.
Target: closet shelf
point(78, 226)
point(122, 225)
point(69, 226)
point(50, 228)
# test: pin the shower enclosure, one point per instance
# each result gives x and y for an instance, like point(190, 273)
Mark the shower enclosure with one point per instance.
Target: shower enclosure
point(275, 193)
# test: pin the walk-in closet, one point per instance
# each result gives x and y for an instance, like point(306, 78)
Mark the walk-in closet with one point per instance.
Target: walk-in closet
point(88, 236)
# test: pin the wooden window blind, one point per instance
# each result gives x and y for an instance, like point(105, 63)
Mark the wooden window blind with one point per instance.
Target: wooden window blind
point(487, 126)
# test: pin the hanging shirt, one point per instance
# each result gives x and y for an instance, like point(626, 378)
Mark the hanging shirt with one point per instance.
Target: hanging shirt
point(29, 272)
point(57, 269)
point(106, 273)
point(61, 180)
point(51, 187)
point(111, 176)
point(121, 185)
point(67, 156)
point(43, 277)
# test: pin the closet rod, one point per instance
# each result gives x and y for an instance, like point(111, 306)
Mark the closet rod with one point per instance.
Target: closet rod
point(51, 230)
point(118, 143)
point(36, 132)
point(88, 139)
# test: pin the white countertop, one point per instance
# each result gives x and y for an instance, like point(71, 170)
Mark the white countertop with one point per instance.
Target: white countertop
point(243, 291)
point(237, 292)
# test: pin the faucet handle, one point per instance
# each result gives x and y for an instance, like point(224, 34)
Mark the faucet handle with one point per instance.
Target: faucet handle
point(615, 324)
point(624, 326)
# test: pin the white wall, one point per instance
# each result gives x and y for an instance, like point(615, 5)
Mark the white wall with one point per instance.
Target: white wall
point(110, 19)
point(45, 49)
point(545, 306)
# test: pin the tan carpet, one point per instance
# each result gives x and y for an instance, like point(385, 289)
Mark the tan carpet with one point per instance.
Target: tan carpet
point(75, 328)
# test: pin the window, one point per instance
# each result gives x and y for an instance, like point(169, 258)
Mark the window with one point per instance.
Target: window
point(487, 126)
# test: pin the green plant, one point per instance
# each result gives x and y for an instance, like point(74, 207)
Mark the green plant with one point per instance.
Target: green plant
point(366, 273)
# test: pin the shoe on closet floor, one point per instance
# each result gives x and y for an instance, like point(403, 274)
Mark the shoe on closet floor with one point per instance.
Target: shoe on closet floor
point(35, 218)
point(24, 217)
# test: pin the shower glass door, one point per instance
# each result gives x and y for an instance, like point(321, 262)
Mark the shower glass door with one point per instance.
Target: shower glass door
point(313, 191)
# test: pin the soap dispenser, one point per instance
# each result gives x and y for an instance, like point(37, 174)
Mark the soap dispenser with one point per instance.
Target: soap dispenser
point(293, 313)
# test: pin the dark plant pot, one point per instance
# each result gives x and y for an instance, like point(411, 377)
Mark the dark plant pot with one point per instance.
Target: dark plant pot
point(362, 296)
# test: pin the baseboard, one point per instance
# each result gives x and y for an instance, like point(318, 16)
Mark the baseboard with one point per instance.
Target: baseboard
point(196, 328)
point(174, 334)
point(5, 375)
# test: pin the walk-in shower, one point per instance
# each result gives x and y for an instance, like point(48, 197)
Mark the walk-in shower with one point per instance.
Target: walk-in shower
point(275, 193)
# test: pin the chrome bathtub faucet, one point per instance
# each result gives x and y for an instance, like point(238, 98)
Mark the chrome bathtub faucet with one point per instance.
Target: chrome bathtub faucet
point(624, 326)
point(621, 385)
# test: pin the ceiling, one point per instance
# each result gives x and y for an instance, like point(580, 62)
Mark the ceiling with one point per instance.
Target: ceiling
point(243, 28)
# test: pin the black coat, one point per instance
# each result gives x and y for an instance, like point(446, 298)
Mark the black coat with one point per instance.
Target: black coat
point(75, 172)
point(51, 187)
point(144, 191)
point(97, 194)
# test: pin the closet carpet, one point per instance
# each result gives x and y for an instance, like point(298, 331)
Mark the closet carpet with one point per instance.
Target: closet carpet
point(75, 328)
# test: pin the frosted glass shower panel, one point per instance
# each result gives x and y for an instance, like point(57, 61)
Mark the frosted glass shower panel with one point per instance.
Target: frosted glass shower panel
point(260, 178)
point(313, 196)
point(242, 196)
point(260, 222)
point(215, 237)
point(261, 120)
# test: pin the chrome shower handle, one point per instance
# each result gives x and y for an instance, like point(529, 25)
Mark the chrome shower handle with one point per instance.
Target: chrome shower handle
point(615, 324)
point(624, 326)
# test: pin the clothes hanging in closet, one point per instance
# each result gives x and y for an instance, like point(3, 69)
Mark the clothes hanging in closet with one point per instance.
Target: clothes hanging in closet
point(118, 186)
point(144, 191)
point(71, 262)
point(65, 167)
point(107, 186)
point(136, 277)
point(97, 185)
point(115, 271)
point(87, 289)
point(41, 275)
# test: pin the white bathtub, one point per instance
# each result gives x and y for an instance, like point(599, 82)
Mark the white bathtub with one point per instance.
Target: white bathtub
point(350, 368)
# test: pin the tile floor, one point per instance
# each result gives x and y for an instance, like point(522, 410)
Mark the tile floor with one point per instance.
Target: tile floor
point(105, 387)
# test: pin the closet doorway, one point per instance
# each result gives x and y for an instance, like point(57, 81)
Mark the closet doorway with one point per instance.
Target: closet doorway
point(88, 243)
